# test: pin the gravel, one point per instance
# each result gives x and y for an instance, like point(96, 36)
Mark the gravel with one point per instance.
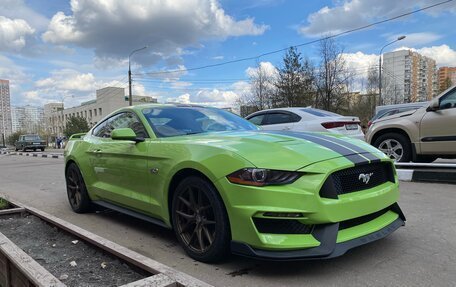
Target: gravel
point(73, 261)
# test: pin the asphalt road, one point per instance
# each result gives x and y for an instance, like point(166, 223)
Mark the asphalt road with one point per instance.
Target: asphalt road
point(423, 253)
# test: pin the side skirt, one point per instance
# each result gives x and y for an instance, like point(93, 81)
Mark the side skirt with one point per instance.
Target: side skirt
point(131, 213)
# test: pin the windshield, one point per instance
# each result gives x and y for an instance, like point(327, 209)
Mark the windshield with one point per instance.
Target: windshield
point(32, 138)
point(319, 113)
point(176, 121)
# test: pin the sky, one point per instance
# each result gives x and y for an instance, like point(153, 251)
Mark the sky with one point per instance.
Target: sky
point(53, 51)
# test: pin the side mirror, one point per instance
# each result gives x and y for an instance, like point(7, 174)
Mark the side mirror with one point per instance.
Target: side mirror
point(433, 106)
point(125, 134)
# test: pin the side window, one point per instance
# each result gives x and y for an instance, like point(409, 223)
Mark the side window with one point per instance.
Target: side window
point(129, 120)
point(279, 118)
point(101, 130)
point(448, 101)
point(122, 120)
point(257, 120)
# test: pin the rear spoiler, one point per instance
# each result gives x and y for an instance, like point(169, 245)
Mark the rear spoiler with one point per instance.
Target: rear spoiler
point(77, 136)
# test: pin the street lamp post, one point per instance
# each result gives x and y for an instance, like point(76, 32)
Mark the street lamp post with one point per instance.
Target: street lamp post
point(380, 68)
point(130, 99)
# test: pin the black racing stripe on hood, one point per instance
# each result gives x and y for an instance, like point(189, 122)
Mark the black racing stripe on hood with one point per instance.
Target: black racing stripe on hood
point(351, 146)
point(345, 152)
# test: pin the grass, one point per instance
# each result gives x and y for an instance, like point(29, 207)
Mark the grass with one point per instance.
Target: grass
point(3, 204)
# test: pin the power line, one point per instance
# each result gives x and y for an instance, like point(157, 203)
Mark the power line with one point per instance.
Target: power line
point(298, 45)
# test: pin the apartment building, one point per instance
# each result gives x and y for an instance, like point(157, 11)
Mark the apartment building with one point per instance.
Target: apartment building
point(28, 119)
point(447, 77)
point(5, 109)
point(408, 77)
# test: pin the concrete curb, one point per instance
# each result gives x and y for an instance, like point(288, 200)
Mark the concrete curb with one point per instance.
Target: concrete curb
point(434, 172)
point(161, 274)
point(45, 155)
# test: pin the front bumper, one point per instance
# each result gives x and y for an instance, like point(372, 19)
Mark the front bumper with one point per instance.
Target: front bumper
point(327, 235)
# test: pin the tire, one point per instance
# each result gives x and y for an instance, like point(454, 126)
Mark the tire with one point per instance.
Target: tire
point(200, 223)
point(34, 149)
point(42, 149)
point(24, 149)
point(76, 190)
point(16, 149)
point(398, 141)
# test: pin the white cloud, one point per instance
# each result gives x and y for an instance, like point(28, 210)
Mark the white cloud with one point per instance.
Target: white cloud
point(359, 63)
point(350, 14)
point(443, 54)
point(114, 27)
point(16, 75)
point(68, 79)
point(13, 33)
point(267, 67)
point(183, 99)
point(17, 9)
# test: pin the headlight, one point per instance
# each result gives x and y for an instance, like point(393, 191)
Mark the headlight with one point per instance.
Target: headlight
point(262, 177)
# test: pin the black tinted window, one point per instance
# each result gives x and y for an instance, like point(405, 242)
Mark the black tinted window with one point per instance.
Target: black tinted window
point(319, 113)
point(256, 120)
point(122, 120)
point(279, 118)
point(171, 121)
point(448, 101)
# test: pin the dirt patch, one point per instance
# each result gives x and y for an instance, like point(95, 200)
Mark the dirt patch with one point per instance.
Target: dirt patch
point(74, 262)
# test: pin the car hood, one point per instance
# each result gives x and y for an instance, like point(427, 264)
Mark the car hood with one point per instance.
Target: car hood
point(286, 150)
point(398, 115)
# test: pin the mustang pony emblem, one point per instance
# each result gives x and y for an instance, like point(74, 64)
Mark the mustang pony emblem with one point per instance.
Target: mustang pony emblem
point(365, 177)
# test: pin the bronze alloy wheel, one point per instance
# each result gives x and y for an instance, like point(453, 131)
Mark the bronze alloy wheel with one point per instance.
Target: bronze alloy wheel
point(200, 220)
point(195, 219)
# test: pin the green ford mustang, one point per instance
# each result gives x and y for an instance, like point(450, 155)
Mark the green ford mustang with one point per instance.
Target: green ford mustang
point(225, 186)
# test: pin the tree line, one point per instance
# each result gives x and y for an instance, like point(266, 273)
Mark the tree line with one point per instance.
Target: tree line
point(299, 82)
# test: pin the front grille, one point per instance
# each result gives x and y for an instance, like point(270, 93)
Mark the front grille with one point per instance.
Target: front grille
point(351, 179)
point(363, 219)
point(281, 226)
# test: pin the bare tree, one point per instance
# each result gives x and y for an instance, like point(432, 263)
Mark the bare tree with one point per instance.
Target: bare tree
point(262, 87)
point(261, 92)
point(295, 82)
point(333, 77)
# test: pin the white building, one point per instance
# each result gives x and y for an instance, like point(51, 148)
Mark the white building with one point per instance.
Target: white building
point(107, 100)
point(28, 119)
point(408, 77)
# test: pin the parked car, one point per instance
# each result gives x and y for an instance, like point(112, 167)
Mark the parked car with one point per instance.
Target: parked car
point(32, 141)
point(225, 186)
point(420, 135)
point(307, 120)
point(388, 110)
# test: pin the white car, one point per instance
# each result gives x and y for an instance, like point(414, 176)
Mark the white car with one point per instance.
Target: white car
point(307, 120)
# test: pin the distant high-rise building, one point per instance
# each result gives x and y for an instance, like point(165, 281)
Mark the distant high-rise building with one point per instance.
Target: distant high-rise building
point(5, 109)
point(447, 77)
point(28, 119)
point(408, 77)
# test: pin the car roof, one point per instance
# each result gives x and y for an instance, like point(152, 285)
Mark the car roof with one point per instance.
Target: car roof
point(296, 110)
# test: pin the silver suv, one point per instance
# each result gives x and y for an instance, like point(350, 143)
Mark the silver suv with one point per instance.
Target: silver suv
point(420, 135)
